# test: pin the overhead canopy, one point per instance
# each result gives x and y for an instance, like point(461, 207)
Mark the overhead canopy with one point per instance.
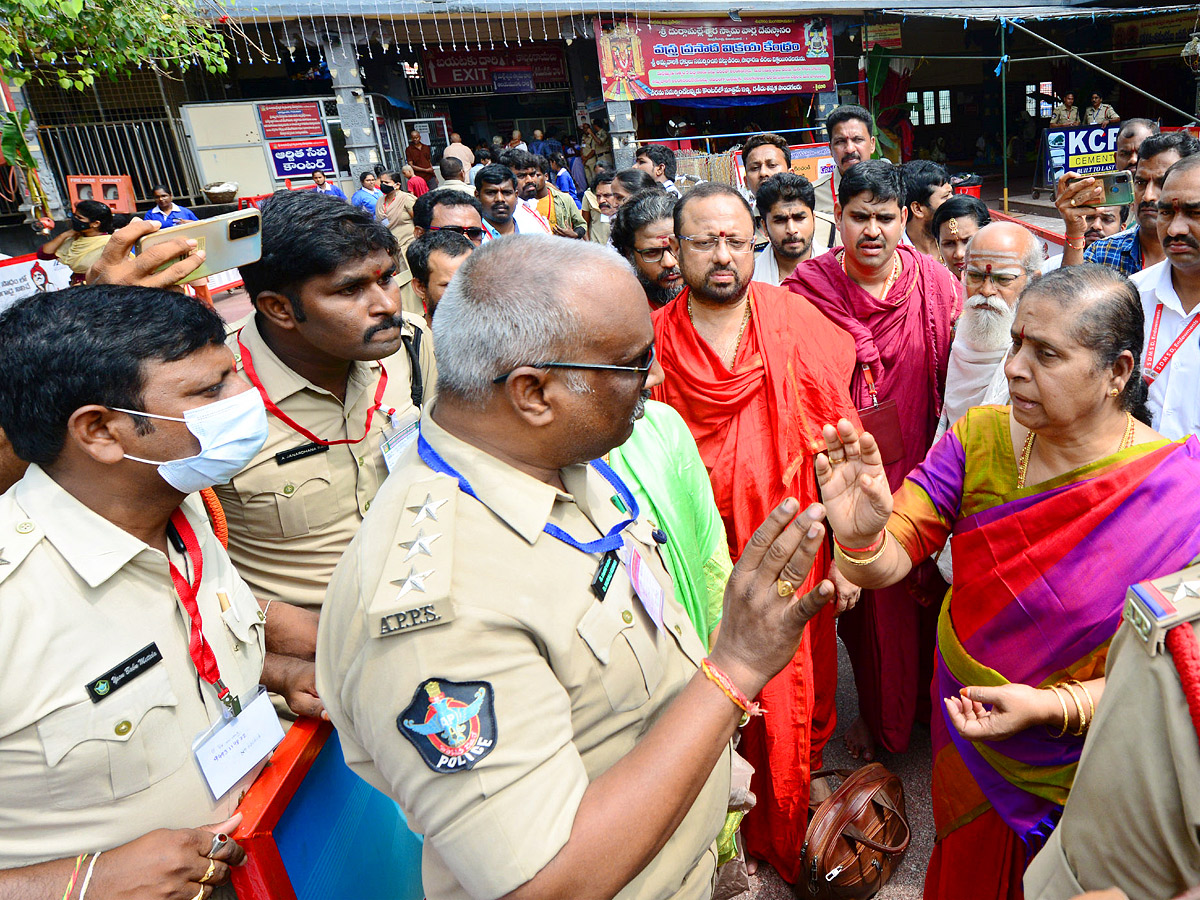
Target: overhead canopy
point(1031, 13)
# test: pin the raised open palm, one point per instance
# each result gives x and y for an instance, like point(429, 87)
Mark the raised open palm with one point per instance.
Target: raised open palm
point(853, 485)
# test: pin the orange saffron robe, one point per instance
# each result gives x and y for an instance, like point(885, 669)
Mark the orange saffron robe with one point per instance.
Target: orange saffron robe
point(758, 428)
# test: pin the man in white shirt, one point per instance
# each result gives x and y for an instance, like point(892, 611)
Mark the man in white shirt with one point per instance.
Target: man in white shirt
point(1170, 294)
point(659, 163)
point(1002, 259)
point(785, 203)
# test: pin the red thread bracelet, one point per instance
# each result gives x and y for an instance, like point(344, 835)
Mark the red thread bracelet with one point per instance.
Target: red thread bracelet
point(730, 690)
point(871, 548)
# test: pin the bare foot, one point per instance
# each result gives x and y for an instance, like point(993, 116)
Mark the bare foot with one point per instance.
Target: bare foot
point(859, 742)
point(751, 864)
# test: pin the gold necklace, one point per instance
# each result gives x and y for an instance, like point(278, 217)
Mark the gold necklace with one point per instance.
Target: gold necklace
point(741, 330)
point(891, 279)
point(1027, 450)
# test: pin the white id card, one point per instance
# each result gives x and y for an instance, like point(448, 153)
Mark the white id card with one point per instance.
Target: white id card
point(645, 585)
point(398, 434)
point(235, 747)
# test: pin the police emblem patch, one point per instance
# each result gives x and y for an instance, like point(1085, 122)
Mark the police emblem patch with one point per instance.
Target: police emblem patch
point(452, 724)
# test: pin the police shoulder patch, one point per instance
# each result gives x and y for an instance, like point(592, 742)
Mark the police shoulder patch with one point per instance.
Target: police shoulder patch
point(452, 724)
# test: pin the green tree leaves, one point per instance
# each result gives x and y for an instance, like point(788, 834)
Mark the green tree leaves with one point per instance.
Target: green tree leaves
point(72, 42)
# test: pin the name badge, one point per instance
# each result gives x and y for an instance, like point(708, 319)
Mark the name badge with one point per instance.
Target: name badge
point(283, 457)
point(398, 436)
point(123, 673)
point(645, 585)
point(236, 746)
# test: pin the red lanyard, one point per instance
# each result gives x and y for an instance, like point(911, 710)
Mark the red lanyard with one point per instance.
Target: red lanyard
point(1150, 370)
point(248, 365)
point(199, 649)
point(867, 374)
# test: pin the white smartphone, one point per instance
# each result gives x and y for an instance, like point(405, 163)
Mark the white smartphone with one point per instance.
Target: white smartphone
point(228, 241)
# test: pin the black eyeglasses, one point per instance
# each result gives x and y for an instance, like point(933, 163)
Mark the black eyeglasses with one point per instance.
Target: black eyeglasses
point(642, 367)
point(472, 233)
point(651, 254)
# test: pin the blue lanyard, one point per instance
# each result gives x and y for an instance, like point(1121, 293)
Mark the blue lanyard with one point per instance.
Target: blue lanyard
point(610, 541)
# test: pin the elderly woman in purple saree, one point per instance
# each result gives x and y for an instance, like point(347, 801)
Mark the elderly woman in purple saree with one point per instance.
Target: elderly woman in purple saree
point(1056, 506)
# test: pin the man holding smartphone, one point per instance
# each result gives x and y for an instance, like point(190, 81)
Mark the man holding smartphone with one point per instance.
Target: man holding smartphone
point(343, 372)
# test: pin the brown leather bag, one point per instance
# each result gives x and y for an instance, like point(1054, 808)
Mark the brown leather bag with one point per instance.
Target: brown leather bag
point(855, 837)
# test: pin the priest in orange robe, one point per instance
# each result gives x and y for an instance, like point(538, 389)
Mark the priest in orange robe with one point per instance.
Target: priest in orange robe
point(755, 371)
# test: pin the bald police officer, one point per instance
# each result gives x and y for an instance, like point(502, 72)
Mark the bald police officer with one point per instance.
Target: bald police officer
point(124, 402)
point(501, 649)
point(343, 372)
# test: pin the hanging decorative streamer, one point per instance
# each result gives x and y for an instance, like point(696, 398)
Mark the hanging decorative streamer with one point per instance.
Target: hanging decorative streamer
point(462, 19)
point(366, 29)
point(407, 34)
point(437, 28)
point(274, 45)
point(352, 54)
point(475, 20)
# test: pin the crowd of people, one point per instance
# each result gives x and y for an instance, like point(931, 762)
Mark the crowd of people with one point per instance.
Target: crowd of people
point(577, 489)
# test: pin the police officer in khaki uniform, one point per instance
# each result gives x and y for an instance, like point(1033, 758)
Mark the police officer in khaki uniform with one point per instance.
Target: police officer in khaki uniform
point(501, 649)
point(125, 402)
point(343, 373)
point(1133, 817)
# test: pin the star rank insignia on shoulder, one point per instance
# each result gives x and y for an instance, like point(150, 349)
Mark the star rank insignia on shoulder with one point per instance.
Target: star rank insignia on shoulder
point(414, 592)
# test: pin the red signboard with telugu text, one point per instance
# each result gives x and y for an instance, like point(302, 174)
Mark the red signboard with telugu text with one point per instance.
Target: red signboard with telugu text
point(290, 120)
point(473, 69)
point(713, 57)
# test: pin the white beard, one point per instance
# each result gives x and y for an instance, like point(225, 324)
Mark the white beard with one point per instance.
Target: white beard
point(986, 323)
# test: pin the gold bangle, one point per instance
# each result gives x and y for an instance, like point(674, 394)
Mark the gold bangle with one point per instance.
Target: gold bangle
point(1082, 244)
point(1066, 717)
point(1091, 702)
point(1082, 721)
point(873, 558)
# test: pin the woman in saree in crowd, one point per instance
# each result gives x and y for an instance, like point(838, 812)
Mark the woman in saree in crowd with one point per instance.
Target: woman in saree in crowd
point(1057, 504)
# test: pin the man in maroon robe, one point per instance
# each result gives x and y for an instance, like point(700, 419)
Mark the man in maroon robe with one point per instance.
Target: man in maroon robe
point(899, 306)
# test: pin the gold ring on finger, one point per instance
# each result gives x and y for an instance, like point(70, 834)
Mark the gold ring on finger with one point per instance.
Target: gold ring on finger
point(784, 587)
point(836, 462)
point(199, 894)
point(212, 867)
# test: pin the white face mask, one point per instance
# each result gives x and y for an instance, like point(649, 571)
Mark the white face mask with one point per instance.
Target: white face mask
point(230, 432)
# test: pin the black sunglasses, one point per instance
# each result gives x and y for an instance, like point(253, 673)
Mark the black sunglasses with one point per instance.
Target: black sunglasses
point(471, 233)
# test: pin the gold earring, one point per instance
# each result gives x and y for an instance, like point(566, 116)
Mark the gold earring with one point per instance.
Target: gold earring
point(1115, 392)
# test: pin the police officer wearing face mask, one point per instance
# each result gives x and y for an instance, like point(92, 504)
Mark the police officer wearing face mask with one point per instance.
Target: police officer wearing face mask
point(127, 634)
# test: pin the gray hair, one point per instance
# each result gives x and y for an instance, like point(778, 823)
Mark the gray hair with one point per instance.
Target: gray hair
point(1032, 256)
point(510, 305)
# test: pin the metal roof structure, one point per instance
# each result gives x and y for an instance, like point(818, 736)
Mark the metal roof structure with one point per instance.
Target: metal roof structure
point(534, 10)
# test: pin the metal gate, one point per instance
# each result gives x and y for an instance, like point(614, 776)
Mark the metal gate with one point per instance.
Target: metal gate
point(150, 152)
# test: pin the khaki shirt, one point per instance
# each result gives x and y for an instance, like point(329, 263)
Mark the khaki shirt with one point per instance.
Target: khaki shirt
point(78, 597)
point(290, 521)
point(1133, 817)
point(444, 596)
